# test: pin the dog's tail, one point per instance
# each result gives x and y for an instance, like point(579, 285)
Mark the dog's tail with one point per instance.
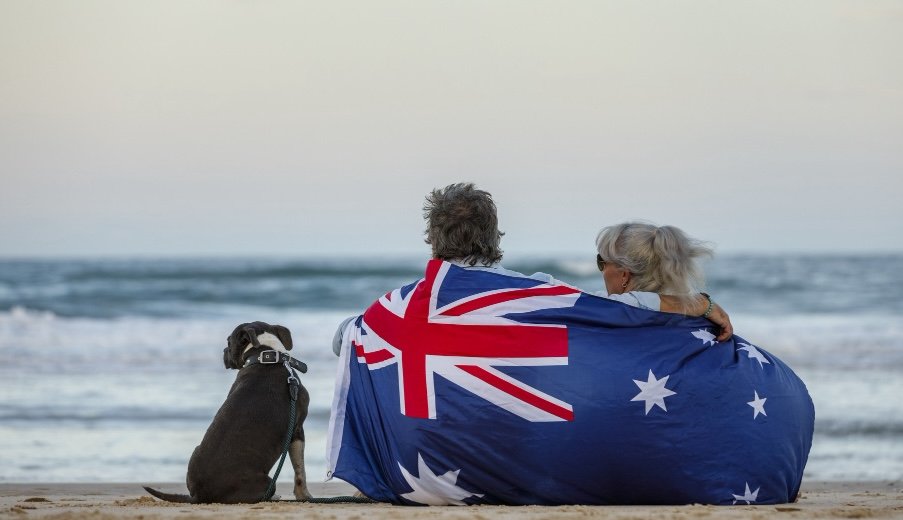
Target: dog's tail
point(170, 497)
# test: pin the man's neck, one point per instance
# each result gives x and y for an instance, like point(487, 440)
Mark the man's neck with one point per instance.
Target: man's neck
point(461, 263)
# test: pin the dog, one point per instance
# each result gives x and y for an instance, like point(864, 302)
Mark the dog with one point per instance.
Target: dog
point(232, 463)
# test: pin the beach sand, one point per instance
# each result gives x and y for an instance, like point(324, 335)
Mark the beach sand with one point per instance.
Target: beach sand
point(99, 500)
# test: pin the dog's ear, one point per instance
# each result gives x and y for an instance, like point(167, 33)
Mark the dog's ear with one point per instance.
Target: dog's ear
point(284, 336)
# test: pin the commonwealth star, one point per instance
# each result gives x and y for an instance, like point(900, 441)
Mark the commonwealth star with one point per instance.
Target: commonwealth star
point(747, 497)
point(434, 490)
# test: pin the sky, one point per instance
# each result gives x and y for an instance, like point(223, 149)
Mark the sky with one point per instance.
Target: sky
point(211, 128)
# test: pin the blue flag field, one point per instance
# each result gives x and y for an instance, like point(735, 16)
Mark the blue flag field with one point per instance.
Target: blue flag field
point(476, 387)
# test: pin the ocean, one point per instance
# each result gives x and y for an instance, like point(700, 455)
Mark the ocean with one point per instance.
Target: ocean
point(112, 369)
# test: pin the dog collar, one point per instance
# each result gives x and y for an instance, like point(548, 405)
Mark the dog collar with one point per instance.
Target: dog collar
point(274, 357)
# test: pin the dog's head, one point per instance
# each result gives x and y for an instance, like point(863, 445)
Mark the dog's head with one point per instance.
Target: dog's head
point(255, 334)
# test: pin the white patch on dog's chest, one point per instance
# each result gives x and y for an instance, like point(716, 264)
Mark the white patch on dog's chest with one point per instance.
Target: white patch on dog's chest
point(269, 340)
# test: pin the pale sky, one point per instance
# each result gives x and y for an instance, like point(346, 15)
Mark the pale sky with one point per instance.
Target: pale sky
point(311, 128)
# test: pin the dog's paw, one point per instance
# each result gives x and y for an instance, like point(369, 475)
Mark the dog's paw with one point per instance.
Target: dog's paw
point(302, 494)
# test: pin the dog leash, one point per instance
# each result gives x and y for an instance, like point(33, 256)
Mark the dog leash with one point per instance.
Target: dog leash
point(336, 500)
point(293, 385)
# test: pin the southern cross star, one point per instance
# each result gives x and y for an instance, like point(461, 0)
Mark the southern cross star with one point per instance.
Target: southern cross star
point(653, 392)
point(747, 497)
point(434, 490)
point(754, 353)
point(705, 336)
point(758, 405)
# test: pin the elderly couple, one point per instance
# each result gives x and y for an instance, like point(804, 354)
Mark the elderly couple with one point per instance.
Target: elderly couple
point(645, 266)
point(480, 385)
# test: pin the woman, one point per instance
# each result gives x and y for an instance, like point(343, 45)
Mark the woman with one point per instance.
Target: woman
point(656, 268)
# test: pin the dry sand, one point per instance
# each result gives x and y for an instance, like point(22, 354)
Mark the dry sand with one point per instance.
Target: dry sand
point(75, 501)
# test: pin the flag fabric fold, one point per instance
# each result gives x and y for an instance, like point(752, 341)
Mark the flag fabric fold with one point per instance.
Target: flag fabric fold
point(476, 387)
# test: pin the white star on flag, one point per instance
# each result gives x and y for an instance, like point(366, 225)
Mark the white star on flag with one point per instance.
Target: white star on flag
point(653, 392)
point(758, 405)
point(747, 497)
point(705, 336)
point(754, 353)
point(434, 490)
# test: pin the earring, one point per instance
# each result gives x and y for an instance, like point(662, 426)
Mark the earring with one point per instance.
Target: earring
point(624, 286)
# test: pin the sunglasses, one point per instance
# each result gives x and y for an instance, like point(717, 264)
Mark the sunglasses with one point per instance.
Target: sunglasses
point(600, 263)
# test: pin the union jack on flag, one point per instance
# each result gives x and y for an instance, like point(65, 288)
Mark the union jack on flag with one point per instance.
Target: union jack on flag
point(474, 386)
point(463, 341)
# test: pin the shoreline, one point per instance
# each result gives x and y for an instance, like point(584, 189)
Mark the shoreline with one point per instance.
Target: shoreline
point(64, 501)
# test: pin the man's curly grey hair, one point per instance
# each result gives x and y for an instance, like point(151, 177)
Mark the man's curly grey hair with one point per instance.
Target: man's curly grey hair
point(461, 224)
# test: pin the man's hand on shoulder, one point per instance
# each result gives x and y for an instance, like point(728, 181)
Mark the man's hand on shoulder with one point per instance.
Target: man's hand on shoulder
point(720, 318)
point(717, 315)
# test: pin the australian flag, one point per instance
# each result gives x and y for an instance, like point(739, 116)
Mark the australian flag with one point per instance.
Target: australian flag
point(477, 387)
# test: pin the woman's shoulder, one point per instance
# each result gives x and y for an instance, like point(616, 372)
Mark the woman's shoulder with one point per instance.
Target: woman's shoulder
point(643, 300)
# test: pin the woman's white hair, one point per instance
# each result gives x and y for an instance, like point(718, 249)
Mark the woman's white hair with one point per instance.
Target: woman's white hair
point(662, 259)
